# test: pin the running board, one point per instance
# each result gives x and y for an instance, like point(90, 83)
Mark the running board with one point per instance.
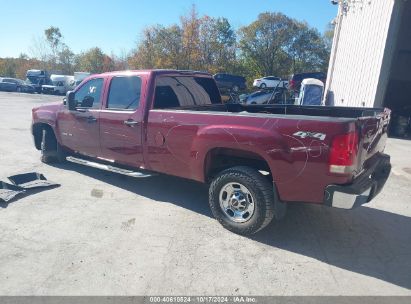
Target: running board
point(107, 167)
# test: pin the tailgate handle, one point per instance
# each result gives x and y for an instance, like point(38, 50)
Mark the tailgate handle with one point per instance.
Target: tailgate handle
point(130, 122)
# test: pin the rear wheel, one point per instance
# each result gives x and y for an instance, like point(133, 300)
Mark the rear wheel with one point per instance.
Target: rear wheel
point(263, 86)
point(242, 200)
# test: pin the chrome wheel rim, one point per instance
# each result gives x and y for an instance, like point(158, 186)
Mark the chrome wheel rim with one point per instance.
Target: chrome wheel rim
point(237, 202)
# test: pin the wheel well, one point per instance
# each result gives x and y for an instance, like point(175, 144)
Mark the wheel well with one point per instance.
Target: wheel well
point(219, 159)
point(38, 133)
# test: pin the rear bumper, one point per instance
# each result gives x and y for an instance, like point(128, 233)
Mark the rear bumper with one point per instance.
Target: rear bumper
point(363, 189)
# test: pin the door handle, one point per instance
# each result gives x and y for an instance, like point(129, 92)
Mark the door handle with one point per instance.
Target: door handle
point(130, 122)
point(91, 119)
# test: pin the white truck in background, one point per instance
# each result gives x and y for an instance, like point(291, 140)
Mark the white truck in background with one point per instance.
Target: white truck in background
point(79, 77)
point(60, 84)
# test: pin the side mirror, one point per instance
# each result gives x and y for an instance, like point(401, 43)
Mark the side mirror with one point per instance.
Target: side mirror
point(87, 102)
point(71, 104)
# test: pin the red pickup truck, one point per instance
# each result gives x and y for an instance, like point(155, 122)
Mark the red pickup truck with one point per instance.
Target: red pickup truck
point(255, 158)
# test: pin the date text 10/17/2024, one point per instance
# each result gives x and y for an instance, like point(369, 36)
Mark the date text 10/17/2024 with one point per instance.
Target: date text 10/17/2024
point(203, 299)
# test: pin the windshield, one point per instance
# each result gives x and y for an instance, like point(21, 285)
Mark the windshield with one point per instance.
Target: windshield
point(58, 83)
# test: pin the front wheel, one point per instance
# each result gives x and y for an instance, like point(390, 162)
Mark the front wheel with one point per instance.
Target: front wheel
point(51, 150)
point(263, 86)
point(242, 200)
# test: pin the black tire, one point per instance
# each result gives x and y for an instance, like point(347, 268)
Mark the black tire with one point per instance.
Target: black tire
point(263, 86)
point(262, 193)
point(51, 150)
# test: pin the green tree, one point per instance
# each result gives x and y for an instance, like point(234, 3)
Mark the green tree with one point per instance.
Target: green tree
point(160, 47)
point(54, 40)
point(278, 45)
point(217, 46)
point(66, 60)
point(329, 35)
point(198, 43)
point(226, 44)
point(190, 26)
point(8, 67)
point(144, 57)
point(170, 47)
point(308, 50)
point(265, 41)
point(94, 61)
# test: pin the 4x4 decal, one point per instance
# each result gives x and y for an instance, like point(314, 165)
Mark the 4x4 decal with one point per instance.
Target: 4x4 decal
point(303, 134)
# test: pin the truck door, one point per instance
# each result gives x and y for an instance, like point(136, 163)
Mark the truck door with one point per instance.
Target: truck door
point(121, 122)
point(79, 129)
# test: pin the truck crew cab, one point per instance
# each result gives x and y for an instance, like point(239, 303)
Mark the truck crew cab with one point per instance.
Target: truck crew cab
point(255, 158)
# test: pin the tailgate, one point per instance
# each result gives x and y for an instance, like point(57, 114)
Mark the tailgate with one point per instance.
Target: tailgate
point(373, 131)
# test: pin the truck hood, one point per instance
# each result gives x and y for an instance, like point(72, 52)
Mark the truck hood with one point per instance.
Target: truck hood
point(50, 107)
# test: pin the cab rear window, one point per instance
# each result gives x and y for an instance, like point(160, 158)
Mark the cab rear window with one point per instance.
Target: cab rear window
point(181, 91)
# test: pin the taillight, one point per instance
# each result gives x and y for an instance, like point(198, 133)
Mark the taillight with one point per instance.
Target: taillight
point(343, 153)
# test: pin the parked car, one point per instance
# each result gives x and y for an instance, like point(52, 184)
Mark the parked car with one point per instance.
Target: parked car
point(259, 97)
point(276, 96)
point(269, 82)
point(60, 84)
point(230, 82)
point(294, 83)
point(15, 85)
point(7, 86)
point(26, 87)
point(254, 159)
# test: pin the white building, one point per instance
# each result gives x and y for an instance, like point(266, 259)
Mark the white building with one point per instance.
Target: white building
point(370, 63)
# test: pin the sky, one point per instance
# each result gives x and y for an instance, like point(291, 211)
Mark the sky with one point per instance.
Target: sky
point(115, 26)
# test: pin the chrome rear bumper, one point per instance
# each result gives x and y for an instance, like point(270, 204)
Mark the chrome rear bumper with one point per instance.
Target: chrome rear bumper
point(363, 189)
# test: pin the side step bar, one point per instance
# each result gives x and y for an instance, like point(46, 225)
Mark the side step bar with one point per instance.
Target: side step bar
point(107, 167)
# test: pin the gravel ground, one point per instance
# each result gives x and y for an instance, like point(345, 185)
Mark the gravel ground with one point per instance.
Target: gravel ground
point(105, 234)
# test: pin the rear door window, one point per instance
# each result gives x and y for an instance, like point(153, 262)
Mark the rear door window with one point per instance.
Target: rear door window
point(124, 93)
point(180, 91)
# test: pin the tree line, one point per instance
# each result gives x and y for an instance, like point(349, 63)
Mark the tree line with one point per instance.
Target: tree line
point(274, 44)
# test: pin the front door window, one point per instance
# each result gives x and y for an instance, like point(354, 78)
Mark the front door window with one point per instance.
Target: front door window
point(88, 96)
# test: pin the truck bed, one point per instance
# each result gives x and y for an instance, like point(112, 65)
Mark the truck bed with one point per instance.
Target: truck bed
point(316, 111)
point(294, 140)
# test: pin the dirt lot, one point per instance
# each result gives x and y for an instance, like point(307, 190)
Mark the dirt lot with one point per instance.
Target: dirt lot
point(105, 234)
